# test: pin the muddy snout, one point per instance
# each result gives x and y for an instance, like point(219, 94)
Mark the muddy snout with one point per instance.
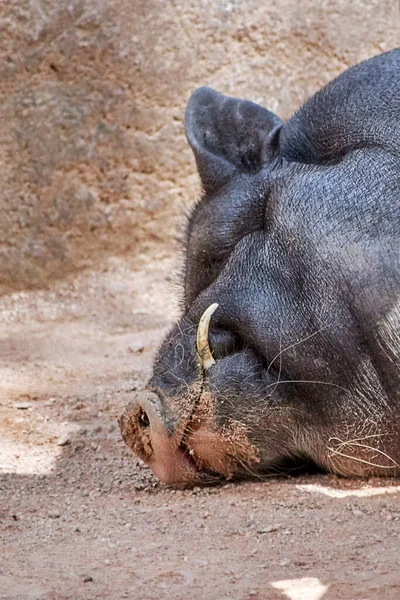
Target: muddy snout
point(140, 422)
point(155, 438)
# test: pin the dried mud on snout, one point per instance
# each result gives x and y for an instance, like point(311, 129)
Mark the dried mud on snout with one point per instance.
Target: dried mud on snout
point(81, 518)
point(194, 452)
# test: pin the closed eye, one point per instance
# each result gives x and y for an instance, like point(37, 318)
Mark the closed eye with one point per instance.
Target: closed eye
point(224, 343)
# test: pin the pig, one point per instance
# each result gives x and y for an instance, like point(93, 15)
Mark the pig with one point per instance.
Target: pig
point(287, 351)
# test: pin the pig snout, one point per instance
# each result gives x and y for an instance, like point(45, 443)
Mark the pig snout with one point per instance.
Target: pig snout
point(156, 439)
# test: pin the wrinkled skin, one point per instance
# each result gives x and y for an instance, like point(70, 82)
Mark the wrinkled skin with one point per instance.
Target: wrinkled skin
point(297, 238)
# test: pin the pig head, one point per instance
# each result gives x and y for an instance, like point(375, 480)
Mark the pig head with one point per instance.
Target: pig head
point(288, 347)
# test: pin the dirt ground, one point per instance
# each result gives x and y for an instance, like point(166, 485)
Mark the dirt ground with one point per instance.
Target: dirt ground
point(81, 518)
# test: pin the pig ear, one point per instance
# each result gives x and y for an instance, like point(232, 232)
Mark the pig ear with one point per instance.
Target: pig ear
point(228, 135)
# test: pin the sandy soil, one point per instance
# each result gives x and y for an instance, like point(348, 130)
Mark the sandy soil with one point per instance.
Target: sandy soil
point(81, 518)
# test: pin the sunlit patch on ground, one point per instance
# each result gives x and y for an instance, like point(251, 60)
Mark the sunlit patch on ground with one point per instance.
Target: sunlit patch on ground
point(306, 588)
point(38, 450)
point(27, 459)
point(364, 492)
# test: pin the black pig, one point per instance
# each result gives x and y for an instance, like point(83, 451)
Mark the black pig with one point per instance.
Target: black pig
point(288, 348)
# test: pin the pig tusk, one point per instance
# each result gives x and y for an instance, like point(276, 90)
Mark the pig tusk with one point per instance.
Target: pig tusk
point(203, 347)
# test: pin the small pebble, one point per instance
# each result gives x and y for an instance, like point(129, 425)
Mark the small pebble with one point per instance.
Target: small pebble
point(270, 529)
point(136, 348)
point(54, 514)
point(64, 440)
point(285, 562)
point(87, 578)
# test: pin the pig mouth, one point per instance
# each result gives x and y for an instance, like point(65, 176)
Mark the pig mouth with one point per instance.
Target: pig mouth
point(197, 466)
point(194, 451)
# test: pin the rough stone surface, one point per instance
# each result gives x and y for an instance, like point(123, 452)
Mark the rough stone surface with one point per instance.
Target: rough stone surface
point(93, 159)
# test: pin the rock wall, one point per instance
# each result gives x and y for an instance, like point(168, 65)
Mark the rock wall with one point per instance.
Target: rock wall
point(93, 159)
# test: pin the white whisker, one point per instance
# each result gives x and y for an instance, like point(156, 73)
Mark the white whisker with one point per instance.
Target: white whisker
point(308, 337)
point(308, 381)
point(355, 458)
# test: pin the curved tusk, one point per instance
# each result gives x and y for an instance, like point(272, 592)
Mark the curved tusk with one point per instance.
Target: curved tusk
point(203, 347)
